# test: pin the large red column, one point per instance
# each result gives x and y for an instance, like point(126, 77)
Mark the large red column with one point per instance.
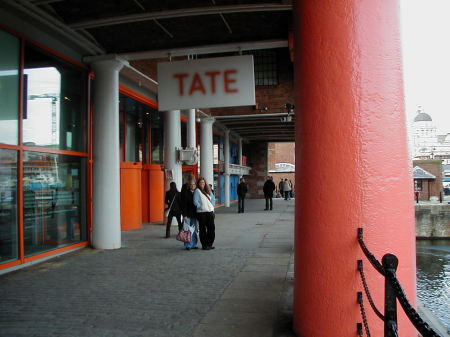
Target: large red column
point(352, 162)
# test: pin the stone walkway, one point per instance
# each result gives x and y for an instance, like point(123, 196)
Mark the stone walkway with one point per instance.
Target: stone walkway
point(153, 287)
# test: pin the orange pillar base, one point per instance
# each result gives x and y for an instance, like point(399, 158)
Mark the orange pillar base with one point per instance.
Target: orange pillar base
point(156, 193)
point(130, 196)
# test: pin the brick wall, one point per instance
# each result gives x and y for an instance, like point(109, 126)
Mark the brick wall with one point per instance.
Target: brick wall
point(257, 160)
point(434, 188)
point(281, 153)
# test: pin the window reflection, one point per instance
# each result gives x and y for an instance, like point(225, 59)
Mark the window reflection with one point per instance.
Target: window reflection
point(9, 89)
point(54, 112)
point(136, 120)
point(157, 138)
point(54, 191)
point(8, 206)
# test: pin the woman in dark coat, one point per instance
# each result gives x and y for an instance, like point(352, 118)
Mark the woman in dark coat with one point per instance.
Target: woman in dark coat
point(173, 202)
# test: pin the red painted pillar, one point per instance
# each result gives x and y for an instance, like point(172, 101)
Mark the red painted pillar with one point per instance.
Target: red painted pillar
point(352, 162)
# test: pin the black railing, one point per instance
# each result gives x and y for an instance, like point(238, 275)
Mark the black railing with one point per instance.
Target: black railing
point(393, 292)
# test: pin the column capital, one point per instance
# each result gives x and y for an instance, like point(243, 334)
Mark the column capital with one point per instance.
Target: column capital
point(208, 120)
point(103, 62)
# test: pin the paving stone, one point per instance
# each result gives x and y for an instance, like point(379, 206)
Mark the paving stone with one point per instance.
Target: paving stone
point(152, 287)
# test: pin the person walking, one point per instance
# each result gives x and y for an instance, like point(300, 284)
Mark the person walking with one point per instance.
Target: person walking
point(268, 188)
point(241, 192)
point(204, 201)
point(287, 189)
point(189, 212)
point(280, 188)
point(172, 199)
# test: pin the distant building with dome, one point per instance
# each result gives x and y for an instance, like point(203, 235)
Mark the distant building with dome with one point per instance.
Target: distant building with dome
point(427, 144)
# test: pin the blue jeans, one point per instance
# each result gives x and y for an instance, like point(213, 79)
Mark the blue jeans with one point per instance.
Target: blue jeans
point(192, 223)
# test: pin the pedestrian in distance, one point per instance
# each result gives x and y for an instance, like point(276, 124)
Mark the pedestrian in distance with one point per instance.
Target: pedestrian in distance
point(287, 189)
point(204, 201)
point(173, 202)
point(268, 188)
point(280, 187)
point(241, 192)
point(189, 212)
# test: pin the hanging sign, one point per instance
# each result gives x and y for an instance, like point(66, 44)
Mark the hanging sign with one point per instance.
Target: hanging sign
point(206, 83)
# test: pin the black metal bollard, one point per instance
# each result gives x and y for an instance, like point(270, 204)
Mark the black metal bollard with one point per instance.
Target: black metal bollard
point(390, 263)
point(440, 197)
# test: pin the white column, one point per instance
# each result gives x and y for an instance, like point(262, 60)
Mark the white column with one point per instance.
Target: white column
point(206, 150)
point(191, 141)
point(172, 141)
point(240, 151)
point(106, 228)
point(226, 174)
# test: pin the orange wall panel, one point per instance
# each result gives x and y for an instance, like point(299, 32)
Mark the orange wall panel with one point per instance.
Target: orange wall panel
point(130, 196)
point(156, 194)
point(145, 196)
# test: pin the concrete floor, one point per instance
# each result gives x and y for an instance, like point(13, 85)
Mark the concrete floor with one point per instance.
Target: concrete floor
point(153, 287)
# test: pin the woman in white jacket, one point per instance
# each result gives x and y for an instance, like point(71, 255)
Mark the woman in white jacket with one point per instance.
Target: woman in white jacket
point(204, 201)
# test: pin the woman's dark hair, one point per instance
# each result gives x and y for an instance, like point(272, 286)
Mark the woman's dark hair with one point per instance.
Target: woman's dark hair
point(206, 189)
point(173, 186)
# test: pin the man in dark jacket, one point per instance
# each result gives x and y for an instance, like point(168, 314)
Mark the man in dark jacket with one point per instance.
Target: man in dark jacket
point(241, 191)
point(268, 189)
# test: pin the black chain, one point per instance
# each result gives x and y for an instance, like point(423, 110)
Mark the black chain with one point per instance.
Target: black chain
point(366, 290)
point(421, 326)
point(372, 259)
point(363, 313)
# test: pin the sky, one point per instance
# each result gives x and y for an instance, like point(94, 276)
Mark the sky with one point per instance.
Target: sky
point(425, 26)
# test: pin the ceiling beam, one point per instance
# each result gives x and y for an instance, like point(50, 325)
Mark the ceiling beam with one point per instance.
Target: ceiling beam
point(30, 10)
point(178, 13)
point(271, 138)
point(261, 130)
point(44, 2)
point(208, 49)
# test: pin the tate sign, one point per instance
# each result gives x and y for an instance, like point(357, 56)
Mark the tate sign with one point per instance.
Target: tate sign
point(206, 83)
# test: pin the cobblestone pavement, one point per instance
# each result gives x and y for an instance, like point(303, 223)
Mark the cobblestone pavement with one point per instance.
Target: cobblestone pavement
point(153, 287)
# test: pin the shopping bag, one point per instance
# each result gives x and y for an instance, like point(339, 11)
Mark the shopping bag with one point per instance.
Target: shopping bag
point(184, 236)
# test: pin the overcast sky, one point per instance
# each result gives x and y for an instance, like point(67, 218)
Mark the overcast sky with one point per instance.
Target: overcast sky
point(426, 59)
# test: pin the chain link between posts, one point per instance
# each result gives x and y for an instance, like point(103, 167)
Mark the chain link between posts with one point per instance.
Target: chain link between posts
point(363, 314)
point(424, 329)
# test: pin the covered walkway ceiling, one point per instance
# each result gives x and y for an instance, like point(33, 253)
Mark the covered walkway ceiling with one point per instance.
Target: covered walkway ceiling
point(277, 127)
point(146, 29)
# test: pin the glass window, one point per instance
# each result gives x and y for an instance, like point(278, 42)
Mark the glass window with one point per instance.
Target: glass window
point(157, 137)
point(55, 108)
point(138, 118)
point(133, 152)
point(8, 206)
point(9, 88)
point(266, 72)
point(54, 201)
point(418, 185)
